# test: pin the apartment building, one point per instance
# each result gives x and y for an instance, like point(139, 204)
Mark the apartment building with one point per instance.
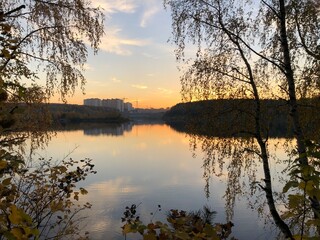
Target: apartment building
point(92, 102)
point(113, 103)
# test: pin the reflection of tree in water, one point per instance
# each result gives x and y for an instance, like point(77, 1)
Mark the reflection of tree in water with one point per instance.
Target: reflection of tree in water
point(236, 160)
point(53, 43)
point(245, 50)
point(39, 197)
point(228, 157)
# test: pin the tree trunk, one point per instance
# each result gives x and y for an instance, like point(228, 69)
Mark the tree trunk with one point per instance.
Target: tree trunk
point(294, 113)
point(266, 169)
point(291, 87)
point(269, 195)
point(264, 156)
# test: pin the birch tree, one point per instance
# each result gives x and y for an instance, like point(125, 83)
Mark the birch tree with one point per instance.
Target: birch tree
point(49, 37)
point(40, 39)
point(252, 49)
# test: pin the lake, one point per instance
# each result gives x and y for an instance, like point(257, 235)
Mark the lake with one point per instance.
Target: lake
point(151, 165)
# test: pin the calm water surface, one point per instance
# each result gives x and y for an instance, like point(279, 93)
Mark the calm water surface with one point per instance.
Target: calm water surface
point(151, 165)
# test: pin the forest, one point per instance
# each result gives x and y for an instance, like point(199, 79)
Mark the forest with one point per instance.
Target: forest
point(231, 117)
point(69, 113)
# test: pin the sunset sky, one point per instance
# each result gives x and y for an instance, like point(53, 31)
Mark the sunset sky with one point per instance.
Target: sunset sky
point(135, 60)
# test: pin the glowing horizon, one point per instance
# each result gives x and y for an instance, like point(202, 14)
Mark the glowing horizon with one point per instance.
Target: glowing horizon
point(135, 60)
point(137, 103)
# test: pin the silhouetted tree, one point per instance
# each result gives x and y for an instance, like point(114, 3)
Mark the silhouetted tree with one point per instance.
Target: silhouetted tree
point(250, 49)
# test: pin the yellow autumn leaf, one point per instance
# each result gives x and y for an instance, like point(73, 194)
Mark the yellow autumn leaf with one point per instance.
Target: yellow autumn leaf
point(299, 237)
point(149, 236)
point(6, 27)
point(63, 169)
point(6, 181)
point(83, 191)
point(182, 235)
point(17, 232)
point(56, 206)
point(15, 216)
point(18, 216)
point(126, 229)
point(76, 196)
point(6, 53)
point(31, 232)
point(3, 164)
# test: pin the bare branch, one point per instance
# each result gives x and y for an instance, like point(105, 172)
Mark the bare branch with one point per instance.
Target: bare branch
point(24, 39)
point(303, 43)
point(242, 41)
point(231, 76)
point(36, 57)
point(271, 8)
point(14, 10)
point(209, 4)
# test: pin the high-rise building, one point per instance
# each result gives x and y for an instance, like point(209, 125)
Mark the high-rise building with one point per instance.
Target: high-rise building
point(114, 103)
point(128, 107)
point(92, 102)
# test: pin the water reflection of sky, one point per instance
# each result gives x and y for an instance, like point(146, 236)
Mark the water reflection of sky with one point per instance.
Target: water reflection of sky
point(151, 165)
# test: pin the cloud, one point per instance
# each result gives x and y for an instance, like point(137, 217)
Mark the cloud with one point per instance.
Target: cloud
point(147, 55)
point(113, 6)
point(114, 187)
point(139, 86)
point(165, 91)
point(112, 42)
point(115, 80)
point(91, 93)
point(93, 84)
point(152, 9)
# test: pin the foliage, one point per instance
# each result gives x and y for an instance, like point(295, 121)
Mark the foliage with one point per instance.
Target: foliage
point(66, 113)
point(40, 40)
point(216, 28)
point(252, 50)
point(46, 36)
point(226, 118)
point(304, 185)
point(181, 225)
point(40, 203)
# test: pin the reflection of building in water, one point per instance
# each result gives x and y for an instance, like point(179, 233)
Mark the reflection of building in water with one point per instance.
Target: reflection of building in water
point(114, 130)
point(113, 103)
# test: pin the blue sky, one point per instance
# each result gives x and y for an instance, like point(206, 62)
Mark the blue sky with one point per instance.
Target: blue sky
point(135, 60)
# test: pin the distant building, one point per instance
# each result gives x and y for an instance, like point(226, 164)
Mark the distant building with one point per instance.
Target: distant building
point(92, 102)
point(128, 107)
point(114, 103)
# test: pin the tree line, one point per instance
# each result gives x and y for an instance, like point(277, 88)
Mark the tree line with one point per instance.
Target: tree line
point(68, 113)
point(233, 117)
